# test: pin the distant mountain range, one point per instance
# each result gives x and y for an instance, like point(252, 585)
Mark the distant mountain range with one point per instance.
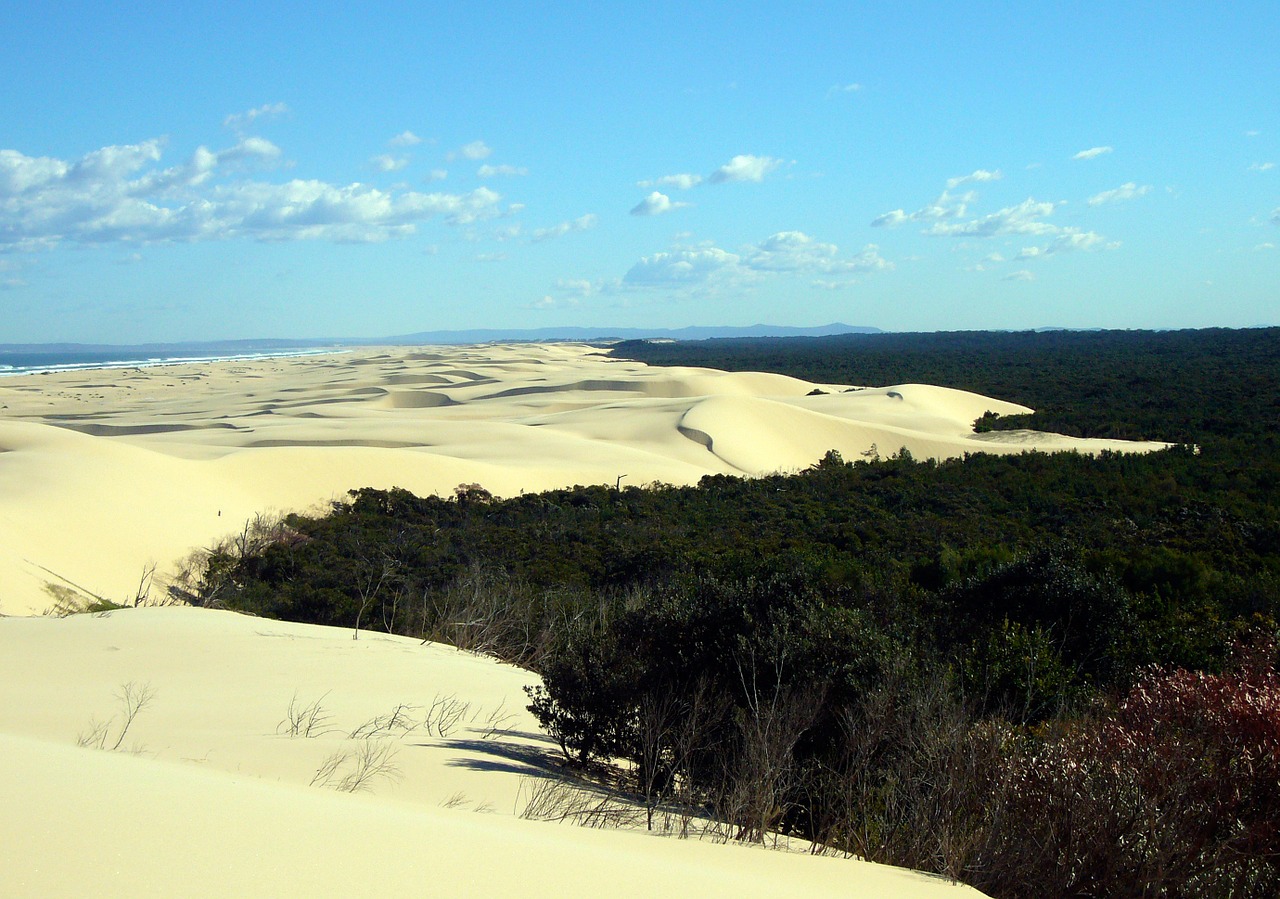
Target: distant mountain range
point(477, 335)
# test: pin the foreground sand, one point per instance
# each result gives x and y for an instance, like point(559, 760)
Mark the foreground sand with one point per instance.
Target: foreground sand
point(208, 795)
point(106, 473)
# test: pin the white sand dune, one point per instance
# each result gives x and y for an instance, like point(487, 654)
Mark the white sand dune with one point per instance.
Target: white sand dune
point(206, 797)
point(106, 473)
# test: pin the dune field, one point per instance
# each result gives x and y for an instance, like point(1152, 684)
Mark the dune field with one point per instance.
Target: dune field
point(269, 758)
point(106, 473)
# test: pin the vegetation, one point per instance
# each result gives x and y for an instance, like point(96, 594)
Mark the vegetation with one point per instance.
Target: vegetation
point(1041, 674)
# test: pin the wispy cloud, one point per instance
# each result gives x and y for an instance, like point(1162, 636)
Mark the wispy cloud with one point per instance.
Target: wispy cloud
point(240, 120)
point(656, 204)
point(1021, 275)
point(979, 175)
point(475, 151)
point(118, 194)
point(1262, 166)
point(581, 223)
point(1093, 152)
point(744, 168)
point(388, 163)
point(681, 182)
point(1128, 191)
point(500, 171)
point(404, 139)
point(1275, 216)
point(837, 90)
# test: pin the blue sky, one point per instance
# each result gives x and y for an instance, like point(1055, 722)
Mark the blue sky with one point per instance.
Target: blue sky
point(191, 172)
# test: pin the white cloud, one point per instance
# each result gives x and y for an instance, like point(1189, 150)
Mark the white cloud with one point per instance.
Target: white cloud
point(116, 194)
point(787, 252)
point(1021, 219)
point(550, 302)
point(979, 175)
point(1262, 247)
point(943, 208)
point(404, 139)
point(475, 150)
point(388, 163)
point(744, 168)
point(498, 171)
point(1092, 152)
point(437, 175)
point(238, 121)
point(656, 204)
point(1069, 240)
point(1128, 191)
point(1262, 166)
point(681, 182)
point(1022, 275)
point(795, 251)
point(837, 89)
point(581, 223)
point(681, 267)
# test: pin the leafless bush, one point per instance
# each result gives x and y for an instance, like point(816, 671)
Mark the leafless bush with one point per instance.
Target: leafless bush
point(305, 719)
point(549, 799)
point(133, 699)
point(350, 770)
point(398, 720)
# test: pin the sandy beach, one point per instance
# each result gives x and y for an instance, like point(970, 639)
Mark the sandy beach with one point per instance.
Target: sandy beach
point(267, 758)
point(106, 474)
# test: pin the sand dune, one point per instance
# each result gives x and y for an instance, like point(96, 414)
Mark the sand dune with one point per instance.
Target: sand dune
point(209, 796)
point(103, 475)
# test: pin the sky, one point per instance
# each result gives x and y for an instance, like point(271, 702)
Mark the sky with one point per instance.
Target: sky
point(183, 171)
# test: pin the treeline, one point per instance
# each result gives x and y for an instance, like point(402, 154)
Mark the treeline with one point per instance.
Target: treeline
point(1041, 674)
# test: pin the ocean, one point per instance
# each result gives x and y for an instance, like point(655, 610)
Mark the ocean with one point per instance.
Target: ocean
point(38, 360)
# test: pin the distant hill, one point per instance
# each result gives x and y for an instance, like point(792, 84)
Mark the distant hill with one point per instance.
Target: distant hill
point(83, 351)
point(489, 335)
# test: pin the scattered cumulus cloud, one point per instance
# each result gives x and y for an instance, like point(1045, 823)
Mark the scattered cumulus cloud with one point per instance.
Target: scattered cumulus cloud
point(744, 168)
point(656, 204)
point(979, 175)
point(795, 251)
point(1093, 152)
point(581, 223)
point(1021, 275)
point(681, 267)
point(1262, 166)
point(944, 207)
point(1129, 191)
point(404, 139)
point(121, 194)
point(500, 171)
point(786, 252)
point(437, 175)
point(1024, 218)
point(241, 120)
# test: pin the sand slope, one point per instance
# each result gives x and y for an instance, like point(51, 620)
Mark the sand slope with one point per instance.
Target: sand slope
point(104, 473)
point(207, 798)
